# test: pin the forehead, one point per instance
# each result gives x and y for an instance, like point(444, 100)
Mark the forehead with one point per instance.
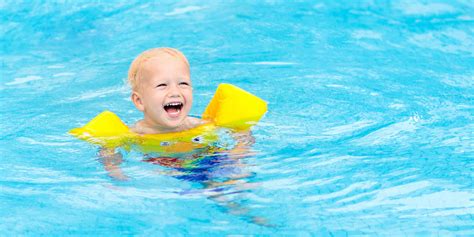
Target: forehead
point(165, 62)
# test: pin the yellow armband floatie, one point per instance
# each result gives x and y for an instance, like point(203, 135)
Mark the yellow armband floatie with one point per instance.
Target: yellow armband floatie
point(231, 107)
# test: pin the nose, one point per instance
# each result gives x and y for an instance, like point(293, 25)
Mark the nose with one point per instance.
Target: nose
point(173, 91)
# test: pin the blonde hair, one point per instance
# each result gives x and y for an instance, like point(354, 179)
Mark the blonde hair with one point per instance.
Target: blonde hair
point(135, 71)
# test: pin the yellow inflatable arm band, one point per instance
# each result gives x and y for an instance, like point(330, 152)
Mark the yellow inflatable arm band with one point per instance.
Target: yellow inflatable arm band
point(230, 107)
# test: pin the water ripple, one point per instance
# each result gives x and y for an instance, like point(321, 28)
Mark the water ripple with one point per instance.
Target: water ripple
point(386, 196)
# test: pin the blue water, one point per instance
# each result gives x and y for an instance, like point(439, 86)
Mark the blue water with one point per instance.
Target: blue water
point(369, 130)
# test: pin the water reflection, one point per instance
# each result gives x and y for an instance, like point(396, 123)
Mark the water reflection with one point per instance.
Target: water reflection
point(220, 173)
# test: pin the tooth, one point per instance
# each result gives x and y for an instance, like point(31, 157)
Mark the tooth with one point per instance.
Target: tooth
point(174, 104)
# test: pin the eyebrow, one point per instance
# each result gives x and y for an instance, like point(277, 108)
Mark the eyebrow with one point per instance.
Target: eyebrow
point(169, 79)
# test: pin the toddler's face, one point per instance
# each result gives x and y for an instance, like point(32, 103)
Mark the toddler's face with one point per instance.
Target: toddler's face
point(165, 92)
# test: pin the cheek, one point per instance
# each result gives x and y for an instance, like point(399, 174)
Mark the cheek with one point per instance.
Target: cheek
point(156, 97)
point(155, 101)
point(188, 94)
point(190, 98)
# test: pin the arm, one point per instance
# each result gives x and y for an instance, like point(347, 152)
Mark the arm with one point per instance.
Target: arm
point(242, 149)
point(244, 141)
point(238, 182)
point(112, 161)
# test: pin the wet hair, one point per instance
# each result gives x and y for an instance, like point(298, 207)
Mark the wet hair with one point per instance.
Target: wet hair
point(135, 71)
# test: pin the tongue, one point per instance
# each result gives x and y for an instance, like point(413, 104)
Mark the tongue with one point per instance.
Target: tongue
point(173, 112)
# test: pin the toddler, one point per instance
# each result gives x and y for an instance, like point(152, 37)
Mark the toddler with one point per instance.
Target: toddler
point(162, 89)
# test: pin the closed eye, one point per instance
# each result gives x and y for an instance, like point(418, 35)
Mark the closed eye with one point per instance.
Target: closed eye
point(161, 85)
point(184, 83)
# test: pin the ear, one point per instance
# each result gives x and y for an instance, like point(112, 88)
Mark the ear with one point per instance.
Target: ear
point(137, 101)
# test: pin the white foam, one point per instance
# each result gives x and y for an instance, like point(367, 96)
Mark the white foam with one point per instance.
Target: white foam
point(411, 7)
point(396, 106)
point(56, 66)
point(391, 132)
point(64, 74)
point(183, 10)
point(438, 200)
point(459, 41)
point(22, 80)
point(466, 18)
point(32, 141)
point(316, 182)
point(465, 81)
point(274, 63)
point(277, 184)
point(335, 160)
point(319, 6)
point(454, 212)
point(388, 196)
point(366, 34)
point(348, 128)
point(340, 193)
point(97, 94)
point(368, 46)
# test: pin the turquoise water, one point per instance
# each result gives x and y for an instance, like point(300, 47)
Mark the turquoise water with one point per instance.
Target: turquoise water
point(369, 129)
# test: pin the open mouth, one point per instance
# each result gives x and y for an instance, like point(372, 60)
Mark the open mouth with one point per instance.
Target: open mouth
point(173, 108)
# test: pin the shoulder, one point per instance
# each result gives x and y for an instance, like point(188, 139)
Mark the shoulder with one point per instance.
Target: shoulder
point(193, 122)
point(196, 121)
point(140, 128)
point(136, 128)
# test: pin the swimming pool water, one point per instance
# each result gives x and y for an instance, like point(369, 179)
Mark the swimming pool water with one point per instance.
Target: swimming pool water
point(369, 130)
